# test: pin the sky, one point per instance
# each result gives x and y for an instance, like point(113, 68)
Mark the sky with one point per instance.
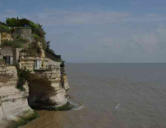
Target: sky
point(98, 31)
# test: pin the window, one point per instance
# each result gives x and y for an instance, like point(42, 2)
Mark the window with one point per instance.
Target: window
point(8, 59)
point(37, 64)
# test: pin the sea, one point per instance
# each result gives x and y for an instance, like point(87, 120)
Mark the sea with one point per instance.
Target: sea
point(111, 95)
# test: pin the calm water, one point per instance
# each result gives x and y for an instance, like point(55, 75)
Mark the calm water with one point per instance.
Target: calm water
point(114, 96)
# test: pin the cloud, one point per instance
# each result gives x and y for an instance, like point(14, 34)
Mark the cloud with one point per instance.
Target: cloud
point(75, 18)
point(55, 17)
point(138, 47)
point(149, 42)
point(151, 17)
point(106, 36)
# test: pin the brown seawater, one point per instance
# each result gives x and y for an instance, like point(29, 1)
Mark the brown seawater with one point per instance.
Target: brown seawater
point(113, 96)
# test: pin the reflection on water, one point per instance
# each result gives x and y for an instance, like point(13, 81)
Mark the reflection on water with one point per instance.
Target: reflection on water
point(113, 96)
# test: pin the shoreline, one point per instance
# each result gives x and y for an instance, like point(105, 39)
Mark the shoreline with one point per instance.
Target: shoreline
point(29, 116)
point(21, 120)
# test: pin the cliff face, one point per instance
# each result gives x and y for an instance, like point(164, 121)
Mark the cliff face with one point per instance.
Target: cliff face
point(27, 63)
point(13, 102)
point(48, 87)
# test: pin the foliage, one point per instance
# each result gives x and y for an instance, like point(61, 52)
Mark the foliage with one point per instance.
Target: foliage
point(47, 45)
point(51, 54)
point(4, 28)
point(40, 39)
point(16, 22)
point(18, 43)
point(33, 49)
point(36, 37)
point(12, 22)
point(23, 76)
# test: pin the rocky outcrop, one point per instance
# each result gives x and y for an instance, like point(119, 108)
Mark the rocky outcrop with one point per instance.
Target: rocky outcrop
point(13, 102)
point(45, 89)
point(5, 36)
point(28, 63)
point(48, 87)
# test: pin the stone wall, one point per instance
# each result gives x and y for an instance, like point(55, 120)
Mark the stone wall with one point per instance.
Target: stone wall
point(12, 52)
point(7, 51)
point(23, 32)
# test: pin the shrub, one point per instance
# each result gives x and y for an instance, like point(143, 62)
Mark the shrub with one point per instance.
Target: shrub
point(16, 22)
point(32, 50)
point(37, 30)
point(12, 22)
point(18, 43)
point(50, 53)
point(36, 37)
point(23, 76)
point(4, 28)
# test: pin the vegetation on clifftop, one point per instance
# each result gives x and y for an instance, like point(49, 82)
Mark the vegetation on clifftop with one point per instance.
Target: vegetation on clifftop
point(38, 35)
point(17, 22)
point(4, 27)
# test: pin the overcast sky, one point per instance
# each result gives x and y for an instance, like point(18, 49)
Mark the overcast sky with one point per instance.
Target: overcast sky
point(98, 30)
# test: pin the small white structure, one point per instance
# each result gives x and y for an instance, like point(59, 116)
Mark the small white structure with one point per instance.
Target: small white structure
point(38, 65)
